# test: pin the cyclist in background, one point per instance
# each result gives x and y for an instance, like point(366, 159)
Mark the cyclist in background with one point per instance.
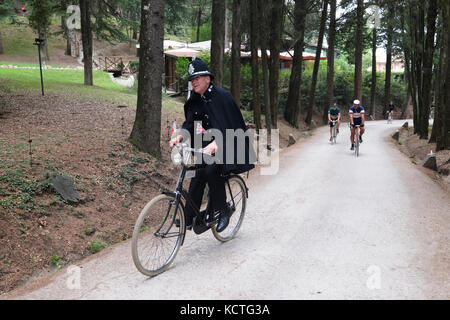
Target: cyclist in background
point(334, 113)
point(357, 117)
point(391, 109)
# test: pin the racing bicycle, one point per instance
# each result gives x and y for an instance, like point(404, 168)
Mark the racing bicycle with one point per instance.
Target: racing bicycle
point(333, 132)
point(357, 139)
point(160, 229)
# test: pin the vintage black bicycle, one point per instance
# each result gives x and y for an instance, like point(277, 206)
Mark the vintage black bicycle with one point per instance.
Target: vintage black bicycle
point(160, 229)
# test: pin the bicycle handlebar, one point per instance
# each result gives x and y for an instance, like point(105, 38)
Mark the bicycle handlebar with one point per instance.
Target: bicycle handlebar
point(184, 147)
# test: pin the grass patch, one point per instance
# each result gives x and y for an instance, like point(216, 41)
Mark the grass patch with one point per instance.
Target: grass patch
point(68, 81)
point(97, 246)
point(55, 260)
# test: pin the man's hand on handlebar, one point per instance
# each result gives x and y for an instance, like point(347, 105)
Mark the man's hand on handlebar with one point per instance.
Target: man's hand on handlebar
point(175, 141)
point(211, 148)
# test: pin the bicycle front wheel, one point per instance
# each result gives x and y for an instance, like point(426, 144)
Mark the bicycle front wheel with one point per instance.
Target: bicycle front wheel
point(237, 201)
point(357, 146)
point(157, 235)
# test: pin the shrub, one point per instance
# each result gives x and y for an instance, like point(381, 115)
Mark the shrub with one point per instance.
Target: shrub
point(98, 246)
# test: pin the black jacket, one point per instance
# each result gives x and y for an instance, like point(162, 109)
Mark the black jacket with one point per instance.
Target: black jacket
point(217, 109)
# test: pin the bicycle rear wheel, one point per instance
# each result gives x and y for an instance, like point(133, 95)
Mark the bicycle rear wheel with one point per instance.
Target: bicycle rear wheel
point(157, 235)
point(237, 200)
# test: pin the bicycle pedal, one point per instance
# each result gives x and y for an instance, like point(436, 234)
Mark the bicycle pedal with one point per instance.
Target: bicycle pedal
point(212, 223)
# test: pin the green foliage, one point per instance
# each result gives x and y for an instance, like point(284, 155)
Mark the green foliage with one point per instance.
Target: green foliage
point(134, 66)
point(54, 259)
point(182, 70)
point(205, 32)
point(6, 9)
point(97, 246)
point(89, 231)
point(343, 86)
point(40, 18)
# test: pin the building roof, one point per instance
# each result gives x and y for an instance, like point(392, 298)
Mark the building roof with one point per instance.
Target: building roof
point(171, 44)
point(202, 45)
point(182, 52)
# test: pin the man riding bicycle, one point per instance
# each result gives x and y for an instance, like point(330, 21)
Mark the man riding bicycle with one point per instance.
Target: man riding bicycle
point(211, 107)
point(357, 117)
point(334, 114)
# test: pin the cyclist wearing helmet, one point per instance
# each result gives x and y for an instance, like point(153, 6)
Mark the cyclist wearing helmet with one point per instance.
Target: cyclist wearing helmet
point(357, 117)
point(334, 113)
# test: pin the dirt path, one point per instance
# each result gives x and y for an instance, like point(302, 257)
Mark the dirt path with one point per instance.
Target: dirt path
point(386, 238)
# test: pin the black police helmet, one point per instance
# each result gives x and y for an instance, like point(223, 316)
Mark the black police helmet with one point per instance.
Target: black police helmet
point(198, 67)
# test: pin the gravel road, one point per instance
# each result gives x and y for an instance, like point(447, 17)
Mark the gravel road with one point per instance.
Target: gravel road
point(328, 225)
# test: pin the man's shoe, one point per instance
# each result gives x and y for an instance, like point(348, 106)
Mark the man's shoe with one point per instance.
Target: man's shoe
point(360, 139)
point(353, 147)
point(337, 130)
point(224, 220)
point(331, 138)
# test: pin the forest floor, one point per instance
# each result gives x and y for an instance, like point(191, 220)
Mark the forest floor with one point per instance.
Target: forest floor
point(417, 149)
point(80, 133)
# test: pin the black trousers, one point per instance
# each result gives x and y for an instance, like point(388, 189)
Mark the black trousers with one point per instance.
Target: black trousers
point(211, 175)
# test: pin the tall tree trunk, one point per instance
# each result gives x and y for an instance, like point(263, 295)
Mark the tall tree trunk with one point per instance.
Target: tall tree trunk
point(359, 49)
point(387, 81)
point(330, 60)
point(1, 44)
point(236, 53)
point(66, 30)
point(146, 133)
point(86, 35)
point(407, 40)
point(444, 140)
point(227, 33)
point(312, 92)
point(293, 105)
point(436, 130)
point(199, 22)
point(254, 39)
point(217, 40)
point(416, 25)
point(68, 51)
point(275, 46)
point(408, 101)
point(373, 86)
point(428, 69)
point(263, 13)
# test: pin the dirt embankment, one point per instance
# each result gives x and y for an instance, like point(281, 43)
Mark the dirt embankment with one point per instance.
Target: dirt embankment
point(417, 149)
point(39, 231)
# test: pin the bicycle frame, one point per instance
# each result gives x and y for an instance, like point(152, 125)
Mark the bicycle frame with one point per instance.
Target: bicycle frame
point(356, 139)
point(334, 131)
point(180, 194)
